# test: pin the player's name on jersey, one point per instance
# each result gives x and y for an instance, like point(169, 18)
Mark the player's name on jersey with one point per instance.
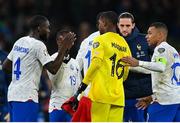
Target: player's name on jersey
point(120, 48)
point(21, 49)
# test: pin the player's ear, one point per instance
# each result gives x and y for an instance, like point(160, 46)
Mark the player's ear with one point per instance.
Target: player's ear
point(105, 23)
point(134, 25)
point(117, 24)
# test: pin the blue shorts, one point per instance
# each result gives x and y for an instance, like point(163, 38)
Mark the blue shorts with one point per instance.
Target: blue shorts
point(59, 116)
point(163, 113)
point(23, 111)
point(131, 113)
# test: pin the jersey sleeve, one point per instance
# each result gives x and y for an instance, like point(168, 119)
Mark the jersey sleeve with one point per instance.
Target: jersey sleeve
point(42, 54)
point(96, 60)
point(126, 72)
point(159, 63)
point(161, 56)
point(126, 68)
point(95, 64)
point(97, 50)
point(140, 70)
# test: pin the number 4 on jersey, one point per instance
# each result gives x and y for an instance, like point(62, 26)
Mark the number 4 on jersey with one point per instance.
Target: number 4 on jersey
point(17, 71)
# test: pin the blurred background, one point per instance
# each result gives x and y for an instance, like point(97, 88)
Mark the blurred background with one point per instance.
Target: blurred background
point(80, 17)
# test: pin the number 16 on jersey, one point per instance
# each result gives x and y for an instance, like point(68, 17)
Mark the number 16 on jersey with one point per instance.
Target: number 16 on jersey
point(116, 66)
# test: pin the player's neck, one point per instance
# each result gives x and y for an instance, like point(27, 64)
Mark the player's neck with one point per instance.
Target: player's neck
point(112, 30)
point(162, 40)
point(34, 35)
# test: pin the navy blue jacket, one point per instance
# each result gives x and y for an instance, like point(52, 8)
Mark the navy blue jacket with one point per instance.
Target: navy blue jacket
point(137, 84)
point(4, 82)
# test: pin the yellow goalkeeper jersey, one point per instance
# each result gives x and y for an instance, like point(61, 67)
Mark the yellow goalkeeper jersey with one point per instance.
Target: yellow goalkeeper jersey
point(107, 79)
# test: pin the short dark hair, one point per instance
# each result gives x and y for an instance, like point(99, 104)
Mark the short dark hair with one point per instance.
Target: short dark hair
point(160, 25)
point(111, 16)
point(126, 15)
point(36, 21)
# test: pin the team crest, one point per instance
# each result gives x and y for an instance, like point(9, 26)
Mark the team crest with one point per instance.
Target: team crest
point(96, 45)
point(139, 47)
point(161, 50)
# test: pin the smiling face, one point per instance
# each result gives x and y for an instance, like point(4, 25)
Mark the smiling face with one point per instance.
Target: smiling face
point(125, 26)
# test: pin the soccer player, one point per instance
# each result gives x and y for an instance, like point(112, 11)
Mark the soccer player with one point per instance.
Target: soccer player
point(137, 85)
point(84, 59)
point(64, 84)
point(84, 55)
point(165, 70)
point(106, 72)
point(26, 60)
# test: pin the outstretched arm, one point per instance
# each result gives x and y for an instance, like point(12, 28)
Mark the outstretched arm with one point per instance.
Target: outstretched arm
point(158, 66)
point(94, 66)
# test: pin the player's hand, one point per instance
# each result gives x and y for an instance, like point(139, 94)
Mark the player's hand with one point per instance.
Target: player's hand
point(75, 103)
point(143, 102)
point(81, 88)
point(130, 61)
point(67, 41)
